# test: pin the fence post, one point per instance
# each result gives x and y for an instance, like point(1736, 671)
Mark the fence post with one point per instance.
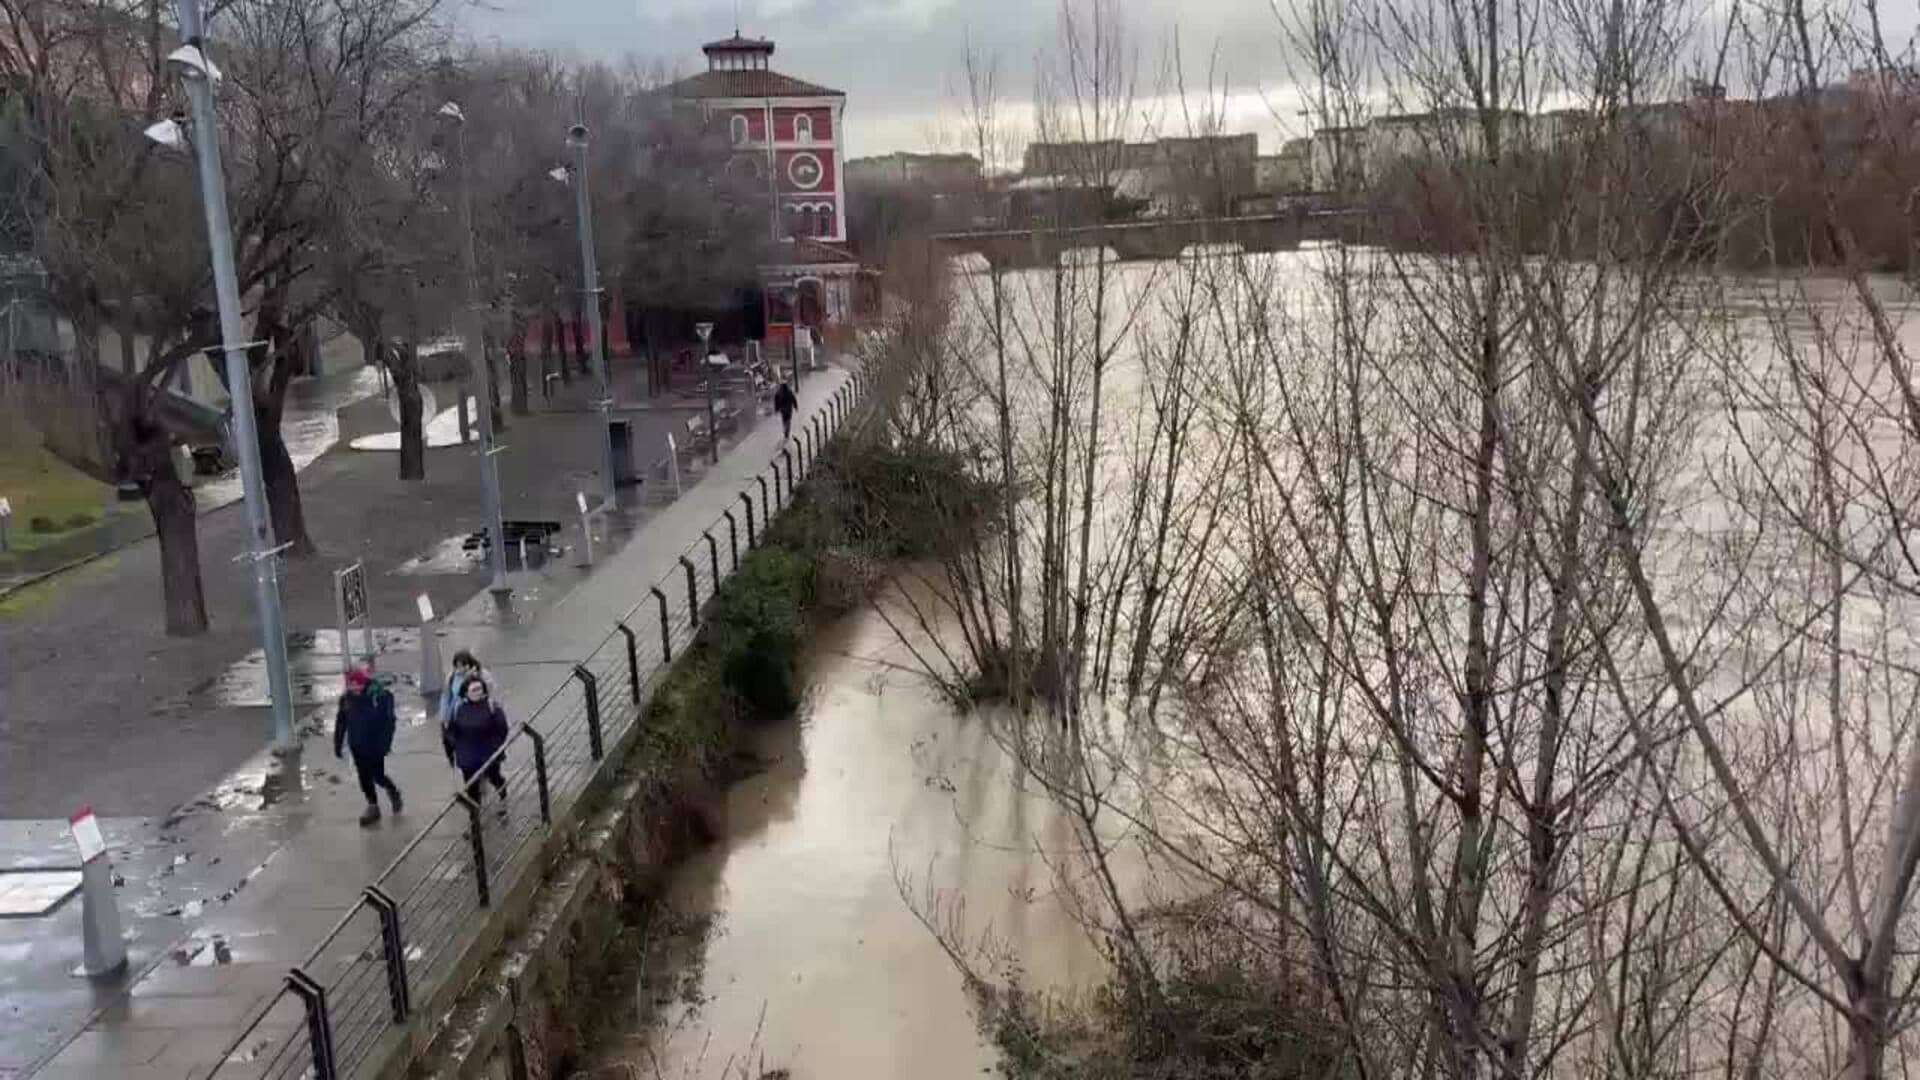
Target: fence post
point(666, 639)
point(733, 537)
point(633, 660)
point(540, 772)
point(394, 949)
point(778, 499)
point(590, 686)
point(472, 804)
point(766, 516)
point(319, 1024)
point(693, 592)
point(713, 556)
point(747, 498)
point(788, 454)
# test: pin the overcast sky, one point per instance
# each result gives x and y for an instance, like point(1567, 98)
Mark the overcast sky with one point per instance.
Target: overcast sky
point(900, 61)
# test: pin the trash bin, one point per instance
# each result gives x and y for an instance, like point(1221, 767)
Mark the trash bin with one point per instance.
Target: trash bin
point(620, 435)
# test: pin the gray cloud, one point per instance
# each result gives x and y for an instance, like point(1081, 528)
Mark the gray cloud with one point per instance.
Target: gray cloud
point(900, 61)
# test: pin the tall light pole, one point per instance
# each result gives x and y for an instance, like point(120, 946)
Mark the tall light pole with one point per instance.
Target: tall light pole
point(590, 289)
point(473, 330)
point(712, 373)
point(199, 75)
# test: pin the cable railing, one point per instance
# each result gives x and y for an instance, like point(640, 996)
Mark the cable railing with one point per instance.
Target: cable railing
point(404, 938)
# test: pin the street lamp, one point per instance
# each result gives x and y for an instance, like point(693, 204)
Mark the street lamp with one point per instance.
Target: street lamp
point(712, 371)
point(199, 74)
point(590, 289)
point(473, 331)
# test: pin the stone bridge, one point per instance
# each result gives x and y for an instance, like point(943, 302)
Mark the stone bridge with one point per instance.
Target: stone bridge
point(1024, 248)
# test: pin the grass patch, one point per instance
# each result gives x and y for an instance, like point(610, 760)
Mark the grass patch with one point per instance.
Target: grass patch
point(43, 488)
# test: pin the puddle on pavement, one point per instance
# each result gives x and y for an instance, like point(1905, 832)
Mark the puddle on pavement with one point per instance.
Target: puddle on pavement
point(816, 963)
point(313, 668)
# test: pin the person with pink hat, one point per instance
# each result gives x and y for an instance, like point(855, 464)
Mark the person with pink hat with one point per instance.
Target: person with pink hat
point(364, 723)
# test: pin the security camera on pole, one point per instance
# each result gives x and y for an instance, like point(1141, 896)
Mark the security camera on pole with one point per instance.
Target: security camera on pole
point(199, 75)
point(472, 330)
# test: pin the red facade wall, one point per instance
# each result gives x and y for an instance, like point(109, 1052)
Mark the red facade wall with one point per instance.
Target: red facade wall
point(829, 172)
point(783, 125)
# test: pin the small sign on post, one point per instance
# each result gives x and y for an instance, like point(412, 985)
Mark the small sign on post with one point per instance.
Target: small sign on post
point(351, 608)
point(103, 947)
point(586, 524)
point(6, 518)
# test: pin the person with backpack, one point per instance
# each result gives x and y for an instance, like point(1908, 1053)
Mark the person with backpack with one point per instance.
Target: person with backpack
point(364, 723)
point(473, 736)
point(784, 403)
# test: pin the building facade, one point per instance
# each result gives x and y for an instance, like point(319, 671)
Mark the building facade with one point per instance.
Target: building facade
point(786, 134)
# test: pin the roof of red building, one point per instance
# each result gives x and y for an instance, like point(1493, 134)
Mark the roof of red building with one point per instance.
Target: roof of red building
point(806, 251)
point(748, 84)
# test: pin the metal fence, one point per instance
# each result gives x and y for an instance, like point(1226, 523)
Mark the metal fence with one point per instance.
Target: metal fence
point(402, 940)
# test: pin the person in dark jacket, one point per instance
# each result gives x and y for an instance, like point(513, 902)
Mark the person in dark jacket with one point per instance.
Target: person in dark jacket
point(477, 730)
point(784, 403)
point(364, 723)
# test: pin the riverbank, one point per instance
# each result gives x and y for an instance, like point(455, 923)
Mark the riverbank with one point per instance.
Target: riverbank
point(532, 1008)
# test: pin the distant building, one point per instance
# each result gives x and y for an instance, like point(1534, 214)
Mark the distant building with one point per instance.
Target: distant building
point(938, 172)
point(1172, 177)
point(1286, 172)
point(786, 132)
point(1337, 159)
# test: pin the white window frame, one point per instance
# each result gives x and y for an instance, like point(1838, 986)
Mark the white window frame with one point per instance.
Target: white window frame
point(803, 128)
point(742, 130)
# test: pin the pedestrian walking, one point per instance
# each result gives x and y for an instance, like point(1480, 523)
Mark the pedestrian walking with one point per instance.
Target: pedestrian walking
point(465, 666)
point(478, 729)
point(364, 724)
point(784, 403)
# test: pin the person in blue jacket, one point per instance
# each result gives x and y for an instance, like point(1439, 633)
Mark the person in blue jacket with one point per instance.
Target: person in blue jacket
point(476, 732)
point(364, 723)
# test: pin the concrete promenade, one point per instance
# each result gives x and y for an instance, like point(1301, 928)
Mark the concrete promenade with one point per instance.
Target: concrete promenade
point(224, 895)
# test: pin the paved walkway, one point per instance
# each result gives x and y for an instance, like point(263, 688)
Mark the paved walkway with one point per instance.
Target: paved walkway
point(223, 898)
point(98, 706)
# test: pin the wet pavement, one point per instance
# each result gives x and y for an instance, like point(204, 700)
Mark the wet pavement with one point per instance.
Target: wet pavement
point(878, 801)
point(225, 893)
point(310, 426)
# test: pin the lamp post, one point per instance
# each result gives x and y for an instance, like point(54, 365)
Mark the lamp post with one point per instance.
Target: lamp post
point(712, 372)
point(199, 74)
point(473, 330)
point(590, 289)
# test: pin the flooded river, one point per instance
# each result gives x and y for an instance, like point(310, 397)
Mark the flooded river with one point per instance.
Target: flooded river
point(811, 944)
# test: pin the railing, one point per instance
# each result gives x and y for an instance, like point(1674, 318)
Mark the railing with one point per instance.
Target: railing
point(403, 939)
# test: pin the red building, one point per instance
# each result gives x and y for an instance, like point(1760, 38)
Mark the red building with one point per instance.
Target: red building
point(787, 133)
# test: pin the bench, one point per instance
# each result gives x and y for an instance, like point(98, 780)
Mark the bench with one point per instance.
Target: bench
point(726, 416)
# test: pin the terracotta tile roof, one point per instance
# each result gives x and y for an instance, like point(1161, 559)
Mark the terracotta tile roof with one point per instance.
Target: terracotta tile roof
point(806, 251)
point(748, 84)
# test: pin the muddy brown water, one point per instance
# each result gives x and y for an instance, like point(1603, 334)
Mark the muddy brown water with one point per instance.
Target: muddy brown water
point(813, 961)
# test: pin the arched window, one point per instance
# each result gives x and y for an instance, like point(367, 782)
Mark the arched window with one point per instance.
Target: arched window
point(803, 128)
point(823, 218)
point(740, 131)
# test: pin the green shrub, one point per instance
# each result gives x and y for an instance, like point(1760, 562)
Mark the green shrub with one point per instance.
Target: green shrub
point(42, 524)
point(79, 521)
point(756, 630)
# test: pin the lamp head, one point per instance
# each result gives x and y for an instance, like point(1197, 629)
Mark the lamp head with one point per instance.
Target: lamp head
point(577, 135)
point(452, 112)
point(193, 62)
point(171, 132)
